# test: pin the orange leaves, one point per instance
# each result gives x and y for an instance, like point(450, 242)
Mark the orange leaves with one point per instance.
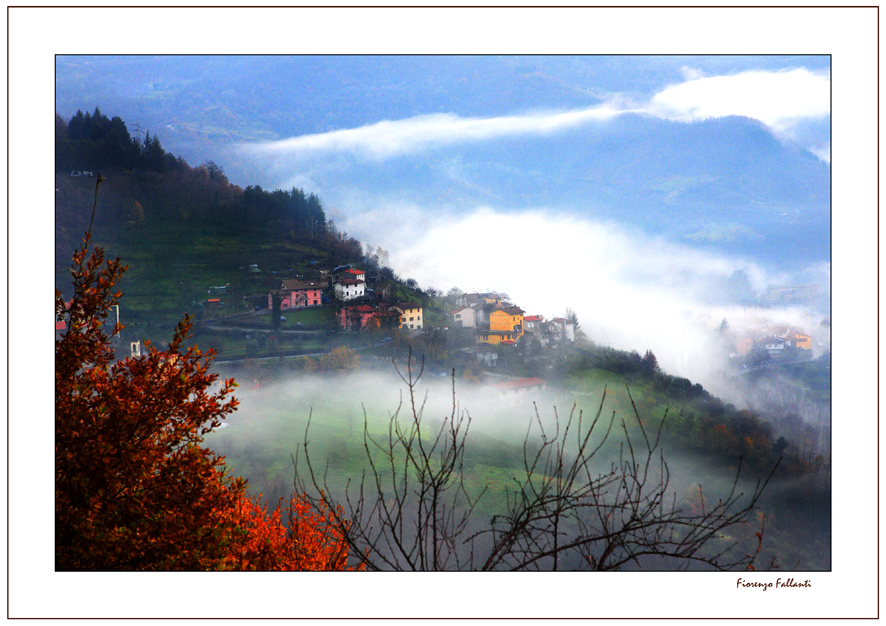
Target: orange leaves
point(289, 539)
point(135, 489)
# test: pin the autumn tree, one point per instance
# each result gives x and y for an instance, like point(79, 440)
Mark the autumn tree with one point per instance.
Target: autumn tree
point(135, 489)
point(292, 537)
point(342, 359)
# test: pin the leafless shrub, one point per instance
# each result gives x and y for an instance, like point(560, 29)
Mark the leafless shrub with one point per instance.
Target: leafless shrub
point(412, 510)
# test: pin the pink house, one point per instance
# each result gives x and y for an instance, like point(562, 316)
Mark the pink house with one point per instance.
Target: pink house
point(297, 294)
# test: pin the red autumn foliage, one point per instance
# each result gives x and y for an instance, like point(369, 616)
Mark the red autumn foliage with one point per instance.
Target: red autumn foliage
point(135, 489)
point(291, 538)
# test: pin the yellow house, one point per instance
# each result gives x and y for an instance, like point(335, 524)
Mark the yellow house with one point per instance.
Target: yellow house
point(505, 325)
point(412, 315)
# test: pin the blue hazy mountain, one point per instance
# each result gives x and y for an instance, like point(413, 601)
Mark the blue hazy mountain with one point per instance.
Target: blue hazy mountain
point(726, 183)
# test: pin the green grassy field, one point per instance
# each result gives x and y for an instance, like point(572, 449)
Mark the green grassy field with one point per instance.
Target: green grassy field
point(270, 428)
point(172, 266)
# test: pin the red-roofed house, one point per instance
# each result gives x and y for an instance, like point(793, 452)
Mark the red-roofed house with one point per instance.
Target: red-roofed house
point(349, 274)
point(532, 323)
point(561, 329)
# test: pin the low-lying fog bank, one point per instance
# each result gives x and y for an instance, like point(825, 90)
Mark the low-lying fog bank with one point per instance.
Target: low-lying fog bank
point(269, 429)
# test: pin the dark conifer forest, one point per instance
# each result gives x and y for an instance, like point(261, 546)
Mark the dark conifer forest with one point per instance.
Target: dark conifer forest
point(146, 183)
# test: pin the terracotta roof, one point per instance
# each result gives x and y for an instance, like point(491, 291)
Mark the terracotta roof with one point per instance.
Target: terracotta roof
point(363, 308)
point(534, 318)
point(351, 281)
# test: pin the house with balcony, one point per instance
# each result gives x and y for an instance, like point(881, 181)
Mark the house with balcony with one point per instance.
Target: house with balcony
point(505, 326)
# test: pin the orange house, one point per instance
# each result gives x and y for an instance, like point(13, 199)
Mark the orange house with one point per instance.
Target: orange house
point(802, 341)
point(505, 325)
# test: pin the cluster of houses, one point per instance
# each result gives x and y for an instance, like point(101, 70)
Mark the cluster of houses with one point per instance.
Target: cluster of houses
point(775, 341)
point(495, 322)
point(384, 315)
point(502, 323)
point(349, 284)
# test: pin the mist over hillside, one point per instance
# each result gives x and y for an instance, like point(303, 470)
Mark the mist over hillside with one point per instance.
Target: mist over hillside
point(640, 192)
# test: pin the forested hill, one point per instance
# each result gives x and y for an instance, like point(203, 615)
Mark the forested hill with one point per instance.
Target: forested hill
point(144, 183)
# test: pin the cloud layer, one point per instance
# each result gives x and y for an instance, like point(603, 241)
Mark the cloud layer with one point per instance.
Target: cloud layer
point(780, 100)
point(630, 290)
point(775, 98)
point(387, 139)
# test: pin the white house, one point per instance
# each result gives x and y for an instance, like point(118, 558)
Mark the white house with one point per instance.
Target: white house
point(349, 288)
point(561, 329)
point(466, 317)
point(773, 345)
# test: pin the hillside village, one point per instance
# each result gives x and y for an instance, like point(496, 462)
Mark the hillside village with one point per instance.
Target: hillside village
point(496, 323)
point(363, 304)
point(485, 329)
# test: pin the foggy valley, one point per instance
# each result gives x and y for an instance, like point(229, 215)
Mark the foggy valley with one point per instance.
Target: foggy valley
point(481, 313)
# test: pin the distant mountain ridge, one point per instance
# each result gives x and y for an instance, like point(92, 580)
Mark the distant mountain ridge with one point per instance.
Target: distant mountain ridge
point(722, 182)
point(726, 182)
